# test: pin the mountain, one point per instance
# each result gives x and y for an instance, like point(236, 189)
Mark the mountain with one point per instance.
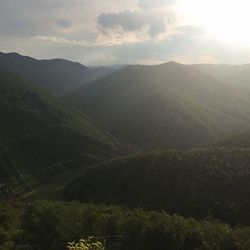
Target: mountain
point(56, 75)
point(197, 183)
point(37, 131)
point(164, 106)
point(233, 75)
point(241, 140)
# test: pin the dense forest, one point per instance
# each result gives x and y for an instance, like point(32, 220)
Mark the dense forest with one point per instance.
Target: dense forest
point(50, 225)
point(37, 131)
point(197, 183)
point(134, 157)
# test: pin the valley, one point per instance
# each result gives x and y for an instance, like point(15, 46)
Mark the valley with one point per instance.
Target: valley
point(139, 156)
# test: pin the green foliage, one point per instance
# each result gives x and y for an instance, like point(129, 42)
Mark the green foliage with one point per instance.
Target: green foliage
point(86, 244)
point(168, 106)
point(197, 183)
point(37, 131)
point(50, 225)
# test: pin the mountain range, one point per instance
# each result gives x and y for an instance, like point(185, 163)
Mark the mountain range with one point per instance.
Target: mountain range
point(56, 75)
point(237, 76)
point(163, 106)
point(83, 133)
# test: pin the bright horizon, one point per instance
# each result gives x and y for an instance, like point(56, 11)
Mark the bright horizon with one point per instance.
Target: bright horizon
point(112, 32)
point(122, 65)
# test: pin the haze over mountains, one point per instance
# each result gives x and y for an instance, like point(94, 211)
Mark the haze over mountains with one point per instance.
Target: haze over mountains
point(74, 133)
point(56, 75)
point(164, 106)
point(234, 75)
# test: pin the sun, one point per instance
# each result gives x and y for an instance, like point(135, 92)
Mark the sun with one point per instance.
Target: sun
point(227, 20)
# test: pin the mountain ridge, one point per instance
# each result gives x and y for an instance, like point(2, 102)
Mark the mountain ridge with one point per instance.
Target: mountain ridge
point(141, 97)
point(55, 75)
point(37, 130)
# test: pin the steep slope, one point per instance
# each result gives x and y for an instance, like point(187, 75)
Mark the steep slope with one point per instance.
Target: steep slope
point(56, 75)
point(169, 105)
point(37, 131)
point(199, 183)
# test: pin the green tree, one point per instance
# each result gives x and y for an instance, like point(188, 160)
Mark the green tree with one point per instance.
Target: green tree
point(86, 244)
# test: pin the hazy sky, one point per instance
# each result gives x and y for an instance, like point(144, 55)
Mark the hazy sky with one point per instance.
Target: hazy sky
point(127, 31)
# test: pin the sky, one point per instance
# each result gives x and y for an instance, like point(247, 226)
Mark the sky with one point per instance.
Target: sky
point(107, 32)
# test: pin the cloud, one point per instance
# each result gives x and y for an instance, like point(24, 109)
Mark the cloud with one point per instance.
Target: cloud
point(108, 32)
point(26, 17)
point(128, 20)
point(64, 23)
point(179, 47)
point(190, 30)
point(183, 49)
point(149, 4)
point(133, 21)
point(75, 19)
point(59, 40)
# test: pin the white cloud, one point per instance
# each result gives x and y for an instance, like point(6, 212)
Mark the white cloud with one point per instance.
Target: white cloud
point(190, 30)
point(74, 18)
point(132, 21)
point(59, 40)
point(149, 4)
point(108, 31)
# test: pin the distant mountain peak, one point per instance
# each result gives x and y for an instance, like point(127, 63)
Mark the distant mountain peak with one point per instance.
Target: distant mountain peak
point(169, 64)
point(56, 75)
point(9, 53)
point(173, 63)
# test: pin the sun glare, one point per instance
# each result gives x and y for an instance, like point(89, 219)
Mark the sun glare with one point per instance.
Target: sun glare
point(227, 20)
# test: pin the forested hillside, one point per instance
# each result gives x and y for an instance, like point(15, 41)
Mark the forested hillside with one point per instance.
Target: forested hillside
point(50, 150)
point(164, 106)
point(124, 125)
point(50, 225)
point(56, 75)
point(37, 131)
point(198, 183)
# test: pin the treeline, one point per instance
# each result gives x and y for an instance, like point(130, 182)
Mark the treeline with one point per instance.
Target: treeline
point(50, 225)
point(196, 183)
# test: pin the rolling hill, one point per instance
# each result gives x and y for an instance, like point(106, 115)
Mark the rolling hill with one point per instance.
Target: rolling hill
point(37, 131)
point(197, 183)
point(52, 151)
point(164, 106)
point(56, 75)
